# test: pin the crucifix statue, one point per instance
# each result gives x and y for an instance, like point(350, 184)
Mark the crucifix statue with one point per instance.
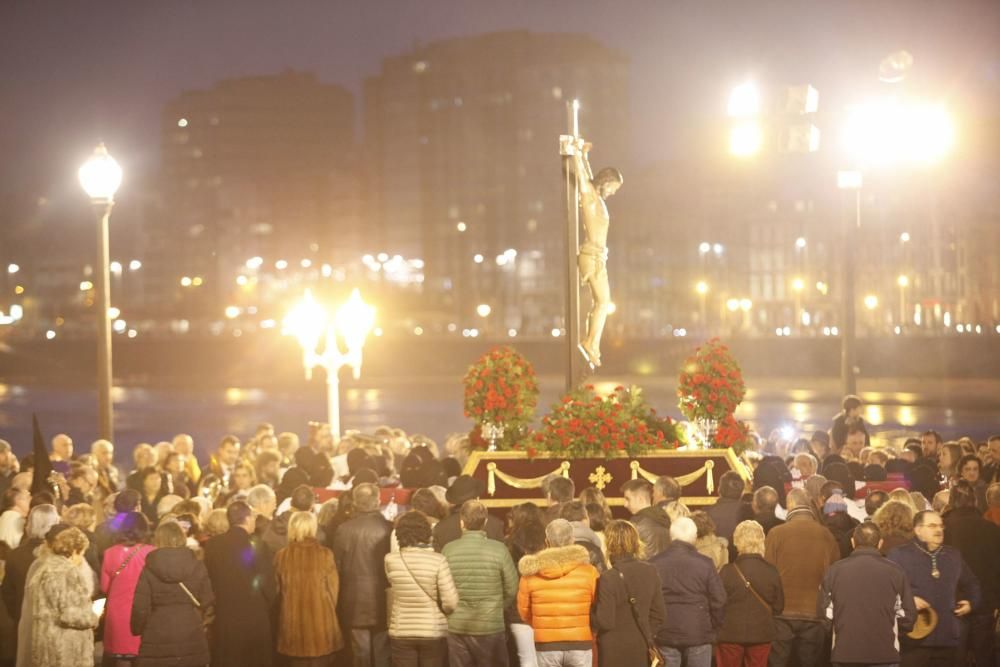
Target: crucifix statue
point(586, 195)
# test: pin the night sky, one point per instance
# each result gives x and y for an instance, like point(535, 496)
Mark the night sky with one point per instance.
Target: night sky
point(73, 72)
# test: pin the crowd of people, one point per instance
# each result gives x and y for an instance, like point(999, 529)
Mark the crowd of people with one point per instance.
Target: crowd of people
point(374, 550)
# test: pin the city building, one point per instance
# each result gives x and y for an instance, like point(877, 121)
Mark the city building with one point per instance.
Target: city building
point(257, 167)
point(462, 151)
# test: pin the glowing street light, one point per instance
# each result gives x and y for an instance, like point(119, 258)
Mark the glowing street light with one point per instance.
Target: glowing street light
point(100, 176)
point(701, 287)
point(745, 139)
point(903, 281)
point(309, 323)
point(888, 132)
point(744, 100)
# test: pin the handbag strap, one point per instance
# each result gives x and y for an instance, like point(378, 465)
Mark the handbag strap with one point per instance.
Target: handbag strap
point(433, 598)
point(122, 567)
point(635, 609)
point(194, 600)
point(749, 586)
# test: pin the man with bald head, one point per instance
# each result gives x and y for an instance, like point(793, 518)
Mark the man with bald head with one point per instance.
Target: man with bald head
point(184, 445)
point(62, 453)
point(765, 503)
point(109, 476)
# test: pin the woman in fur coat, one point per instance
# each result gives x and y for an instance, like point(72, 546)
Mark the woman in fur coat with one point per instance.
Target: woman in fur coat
point(62, 629)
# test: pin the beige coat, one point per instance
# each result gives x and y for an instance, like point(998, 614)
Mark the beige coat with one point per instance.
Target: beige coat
point(62, 628)
point(414, 613)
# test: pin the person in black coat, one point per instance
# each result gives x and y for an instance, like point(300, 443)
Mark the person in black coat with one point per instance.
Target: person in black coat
point(243, 582)
point(863, 594)
point(359, 549)
point(978, 540)
point(753, 597)
point(693, 595)
point(164, 614)
point(449, 528)
point(626, 593)
point(729, 509)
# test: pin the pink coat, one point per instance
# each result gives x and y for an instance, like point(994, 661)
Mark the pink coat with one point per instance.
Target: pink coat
point(118, 637)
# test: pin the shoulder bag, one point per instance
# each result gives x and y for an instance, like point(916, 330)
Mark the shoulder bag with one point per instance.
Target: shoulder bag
point(655, 657)
point(434, 598)
point(749, 587)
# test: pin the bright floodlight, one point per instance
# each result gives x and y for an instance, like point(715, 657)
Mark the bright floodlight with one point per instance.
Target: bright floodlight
point(798, 284)
point(732, 305)
point(871, 301)
point(800, 242)
point(483, 310)
point(701, 287)
point(354, 320)
point(849, 180)
point(306, 321)
point(744, 100)
point(746, 304)
point(100, 175)
point(903, 280)
point(745, 139)
point(889, 132)
point(704, 247)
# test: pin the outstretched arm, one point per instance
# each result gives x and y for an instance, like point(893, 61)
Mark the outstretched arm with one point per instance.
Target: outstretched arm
point(581, 167)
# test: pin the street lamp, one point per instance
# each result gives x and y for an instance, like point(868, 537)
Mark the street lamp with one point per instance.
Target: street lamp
point(903, 281)
point(309, 322)
point(701, 287)
point(798, 284)
point(100, 177)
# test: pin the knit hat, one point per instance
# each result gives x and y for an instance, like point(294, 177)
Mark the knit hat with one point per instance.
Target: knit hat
point(835, 503)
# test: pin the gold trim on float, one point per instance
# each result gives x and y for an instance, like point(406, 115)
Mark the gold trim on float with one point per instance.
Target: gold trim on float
point(520, 482)
point(613, 502)
point(683, 480)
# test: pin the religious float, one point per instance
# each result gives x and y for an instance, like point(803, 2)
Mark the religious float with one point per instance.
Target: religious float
point(603, 439)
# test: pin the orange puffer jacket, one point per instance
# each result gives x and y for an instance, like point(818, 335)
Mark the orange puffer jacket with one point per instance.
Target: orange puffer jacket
point(556, 592)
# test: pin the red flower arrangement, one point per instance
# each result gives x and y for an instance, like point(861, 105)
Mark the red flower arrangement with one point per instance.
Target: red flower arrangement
point(500, 388)
point(711, 384)
point(710, 388)
point(587, 424)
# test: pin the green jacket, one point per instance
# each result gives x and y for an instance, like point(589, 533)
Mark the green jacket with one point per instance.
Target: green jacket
point(486, 580)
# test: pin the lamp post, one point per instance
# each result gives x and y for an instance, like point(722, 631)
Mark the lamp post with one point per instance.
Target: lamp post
point(797, 286)
point(849, 180)
point(100, 177)
point(310, 324)
point(701, 287)
point(903, 281)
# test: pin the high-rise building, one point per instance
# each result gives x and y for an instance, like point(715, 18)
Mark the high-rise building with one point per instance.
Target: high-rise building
point(465, 173)
point(261, 166)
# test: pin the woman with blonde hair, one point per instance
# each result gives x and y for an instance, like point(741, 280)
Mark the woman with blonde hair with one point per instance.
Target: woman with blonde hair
point(63, 621)
point(171, 597)
point(753, 597)
point(895, 521)
point(629, 608)
point(676, 509)
point(308, 585)
point(904, 496)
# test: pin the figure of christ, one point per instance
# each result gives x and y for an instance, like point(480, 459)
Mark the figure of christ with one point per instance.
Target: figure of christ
point(592, 256)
